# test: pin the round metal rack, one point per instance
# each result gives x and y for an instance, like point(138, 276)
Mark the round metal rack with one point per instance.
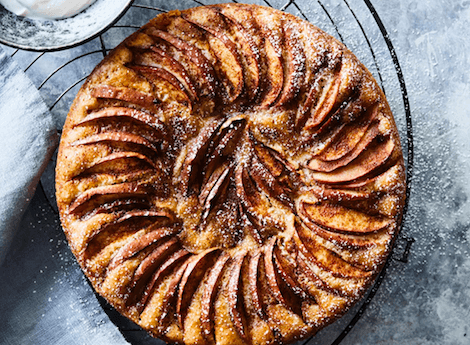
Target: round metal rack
point(356, 23)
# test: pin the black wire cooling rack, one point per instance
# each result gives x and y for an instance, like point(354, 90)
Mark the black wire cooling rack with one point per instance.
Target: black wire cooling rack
point(356, 23)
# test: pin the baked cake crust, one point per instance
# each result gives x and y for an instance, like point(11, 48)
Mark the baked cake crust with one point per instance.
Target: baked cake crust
point(230, 174)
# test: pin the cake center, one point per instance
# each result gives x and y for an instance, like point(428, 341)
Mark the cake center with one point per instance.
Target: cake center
point(234, 188)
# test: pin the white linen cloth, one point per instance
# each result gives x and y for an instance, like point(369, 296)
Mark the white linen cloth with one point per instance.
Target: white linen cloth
point(44, 297)
point(28, 138)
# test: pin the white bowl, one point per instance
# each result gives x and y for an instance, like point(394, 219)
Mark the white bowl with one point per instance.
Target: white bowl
point(52, 35)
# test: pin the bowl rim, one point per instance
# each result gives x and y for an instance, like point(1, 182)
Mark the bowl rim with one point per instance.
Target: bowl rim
point(76, 43)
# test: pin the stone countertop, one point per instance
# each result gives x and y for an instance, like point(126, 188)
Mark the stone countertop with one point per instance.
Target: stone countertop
point(44, 298)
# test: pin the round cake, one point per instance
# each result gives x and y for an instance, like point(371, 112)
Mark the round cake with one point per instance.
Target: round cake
point(230, 174)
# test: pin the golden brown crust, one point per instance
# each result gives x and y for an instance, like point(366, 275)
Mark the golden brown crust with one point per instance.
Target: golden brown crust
point(230, 174)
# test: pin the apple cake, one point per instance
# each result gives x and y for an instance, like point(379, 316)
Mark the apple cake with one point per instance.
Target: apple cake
point(230, 174)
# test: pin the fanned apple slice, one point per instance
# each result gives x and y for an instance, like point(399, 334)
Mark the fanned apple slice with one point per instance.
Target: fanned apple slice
point(197, 150)
point(195, 55)
point(245, 22)
point(350, 136)
point(179, 257)
point(216, 186)
point(325, 258)
point(328, 166)
point(117, 206)
point(249, 55)
point(124, 112)
point(344, 240)
point(271, 30)
point(229, 66)
point(235, 297)
point(100, 164)
point(247, 193)
point(321, 98)
point(224, 143)
point(369, 179)
point(294, 64)
point(210, 292)
point(108, 193)
point(195, 270)
point(315, 279)
point(277, 165)
point(338, 218)
point(156, 74)
point(169, 297)
point(123, 137)
point(266, 181)
point(146, 218)
point(138, 244)
point(365, 163)
point(253, 281)
point(150, 264)
point(287, 271)
point(250, 227)
point(339, 195)
point(158, 58)
point(278, 288)
point(125, 94)
point(270, 272)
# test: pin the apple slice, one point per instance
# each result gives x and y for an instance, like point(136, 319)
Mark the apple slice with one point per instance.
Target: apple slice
point(321, 98)
point(248, 225)
point(116, 206)
point(271, 31)
point(210, 292)
point(216, 186)
point(235, 297)
point(126, 94)
point(109, 193)
point(177, 258)
point(229, 66)
point(137, 219)
point(271, 273)
point(196, 268)
point(156, 75)
point(114, 113)
point(365, 142)
point(247, 194)
point(315, 279)
point(197, 150)
point(244, 24)
point(249, 55)
point(349, 241)
point(253, 277)
point(150, 264)
point(168, 298)
point(200, 62)
point(138, 244)
point(341, 219)
point(369, 179)
point(224, 143)
point(266, 181)
point(116, 160)
point(325, 258)
point(364, 164)
point(160, 59)
point(277, 165)
point(350, 136)
point(289, 276)
point(294, 64)
point(279, 289)
point(116, 137)
point(339, 195)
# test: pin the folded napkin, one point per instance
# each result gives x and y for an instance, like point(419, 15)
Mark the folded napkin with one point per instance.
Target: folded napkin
point(28, 137)
point(44, 297)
